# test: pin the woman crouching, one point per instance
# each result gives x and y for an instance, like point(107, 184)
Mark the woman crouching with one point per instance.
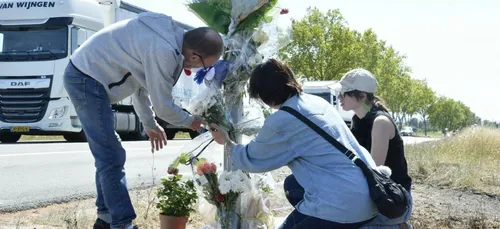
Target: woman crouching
point(326, 188)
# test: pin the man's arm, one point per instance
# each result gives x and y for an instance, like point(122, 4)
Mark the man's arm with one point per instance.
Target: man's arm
point(142, 107)
point(160, 64)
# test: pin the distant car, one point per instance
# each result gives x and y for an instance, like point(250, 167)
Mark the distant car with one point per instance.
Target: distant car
point(407, 131)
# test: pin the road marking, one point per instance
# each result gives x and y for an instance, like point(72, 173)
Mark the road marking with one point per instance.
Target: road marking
point(73, 152)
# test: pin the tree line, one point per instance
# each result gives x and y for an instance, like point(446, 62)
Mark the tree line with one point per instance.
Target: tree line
point(324, 48)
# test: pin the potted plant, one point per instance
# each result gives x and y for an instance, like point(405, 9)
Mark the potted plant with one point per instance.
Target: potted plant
point(176, 202)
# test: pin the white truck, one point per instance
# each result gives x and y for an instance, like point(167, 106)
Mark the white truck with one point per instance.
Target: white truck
point(324, 90)
point(37, 39)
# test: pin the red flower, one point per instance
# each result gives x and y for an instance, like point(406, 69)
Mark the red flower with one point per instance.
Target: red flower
point(213, 168)
point(219, 198)
point(206, 168)
point(187, 71)
point(199, 170)
point(284, 11)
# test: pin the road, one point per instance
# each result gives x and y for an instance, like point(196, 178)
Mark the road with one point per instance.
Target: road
point(36, 174)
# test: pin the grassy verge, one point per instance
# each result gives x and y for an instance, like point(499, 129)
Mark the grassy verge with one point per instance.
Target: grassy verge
point(179, 135)
point(42, 138)
point(469, 160)
point(432, 134)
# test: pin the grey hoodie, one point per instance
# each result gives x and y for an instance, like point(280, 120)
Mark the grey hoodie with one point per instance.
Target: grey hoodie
point(140, 57)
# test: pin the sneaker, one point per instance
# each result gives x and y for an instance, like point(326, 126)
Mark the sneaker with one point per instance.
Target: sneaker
point(101, 224)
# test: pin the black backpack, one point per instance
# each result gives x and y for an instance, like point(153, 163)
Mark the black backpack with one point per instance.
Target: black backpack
point(390, 198)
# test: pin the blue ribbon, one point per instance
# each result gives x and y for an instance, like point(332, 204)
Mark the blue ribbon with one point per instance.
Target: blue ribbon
point(221, 69)
point(200, 75)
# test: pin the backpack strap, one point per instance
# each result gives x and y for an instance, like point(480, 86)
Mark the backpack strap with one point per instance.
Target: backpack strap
point(322, 133)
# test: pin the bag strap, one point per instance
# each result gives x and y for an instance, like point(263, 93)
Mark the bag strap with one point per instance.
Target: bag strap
point(323, 133)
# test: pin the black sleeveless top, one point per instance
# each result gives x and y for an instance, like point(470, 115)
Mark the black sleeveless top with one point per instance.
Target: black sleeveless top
point(362, 129)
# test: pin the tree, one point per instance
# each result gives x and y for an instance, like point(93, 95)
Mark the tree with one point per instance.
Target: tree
point(451, 114)
point(323, 47)
point(423, 98)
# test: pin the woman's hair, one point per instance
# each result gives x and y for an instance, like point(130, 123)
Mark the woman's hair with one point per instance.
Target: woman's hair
point(273, 82)
point(371, 99)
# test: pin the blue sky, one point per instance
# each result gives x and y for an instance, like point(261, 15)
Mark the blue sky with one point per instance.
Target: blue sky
point(454, 44)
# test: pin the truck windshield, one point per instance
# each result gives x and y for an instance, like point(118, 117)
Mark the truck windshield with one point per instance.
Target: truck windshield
point(325, 96)
point(31, 43)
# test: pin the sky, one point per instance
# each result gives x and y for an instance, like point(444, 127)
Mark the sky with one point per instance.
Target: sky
point(453, 44)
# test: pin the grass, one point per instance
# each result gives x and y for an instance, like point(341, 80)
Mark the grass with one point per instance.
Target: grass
point(468, 160)
point(430, 134)
point(81, 215)
point(179, 135)
point(42, 138)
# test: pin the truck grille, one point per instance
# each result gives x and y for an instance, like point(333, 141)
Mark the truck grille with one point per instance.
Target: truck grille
point(23, 105)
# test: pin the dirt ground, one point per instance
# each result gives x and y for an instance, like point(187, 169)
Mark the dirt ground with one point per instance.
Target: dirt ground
point(434, 207)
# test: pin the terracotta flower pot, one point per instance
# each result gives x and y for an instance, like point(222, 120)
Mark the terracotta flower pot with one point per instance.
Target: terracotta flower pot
point(172, 222)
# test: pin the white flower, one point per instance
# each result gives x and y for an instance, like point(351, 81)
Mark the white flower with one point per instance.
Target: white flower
point(255, 59)
point(260, 36)
point(235, 181)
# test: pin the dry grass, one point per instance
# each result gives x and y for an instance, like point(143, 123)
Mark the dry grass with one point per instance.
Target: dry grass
point(430, 134)
point(178, 135)
point(469, 160)
point(82, 214)
point(478, 221)
point(42, 138)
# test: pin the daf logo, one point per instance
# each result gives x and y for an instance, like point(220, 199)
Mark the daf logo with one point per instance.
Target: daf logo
point(20, 83)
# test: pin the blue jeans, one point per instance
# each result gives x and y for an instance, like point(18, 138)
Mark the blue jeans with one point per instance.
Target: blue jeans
point(382, 222)
point(93, 108)
point(296, 220)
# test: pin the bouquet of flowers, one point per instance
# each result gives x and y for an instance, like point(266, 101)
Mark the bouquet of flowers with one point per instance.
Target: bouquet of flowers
point(210, 106)
point(251, 34)
point(222, 190)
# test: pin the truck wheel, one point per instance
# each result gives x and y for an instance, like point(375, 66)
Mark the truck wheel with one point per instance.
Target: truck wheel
point(170, 134)
point(75, 137)
point(9, 138)
point(139, 135)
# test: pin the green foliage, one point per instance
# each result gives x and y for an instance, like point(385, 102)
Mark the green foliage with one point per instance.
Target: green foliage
point(176, 197)
point(257, 17)
point(216, 14)
point(425, 97)
point(325, 48)
point(182, 159)
point(451, 114)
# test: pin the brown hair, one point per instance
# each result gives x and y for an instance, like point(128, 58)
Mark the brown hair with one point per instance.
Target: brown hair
point(204, 40)
point(371, 99)
point(273, 82)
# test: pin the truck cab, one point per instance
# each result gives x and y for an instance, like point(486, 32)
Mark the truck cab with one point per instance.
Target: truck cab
point(37, 39)
point(324, 90)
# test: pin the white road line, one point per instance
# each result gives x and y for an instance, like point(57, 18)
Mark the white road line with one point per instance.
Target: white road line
point(70, 152)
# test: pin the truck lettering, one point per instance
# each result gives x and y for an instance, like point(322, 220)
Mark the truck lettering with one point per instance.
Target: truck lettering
point(14, 84)
point(28, 5)
point(6, 5)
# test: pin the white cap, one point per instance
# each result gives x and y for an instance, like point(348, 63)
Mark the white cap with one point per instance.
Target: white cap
point(357, 79)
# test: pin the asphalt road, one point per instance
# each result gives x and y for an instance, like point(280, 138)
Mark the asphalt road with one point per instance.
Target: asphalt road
point(36, 174)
